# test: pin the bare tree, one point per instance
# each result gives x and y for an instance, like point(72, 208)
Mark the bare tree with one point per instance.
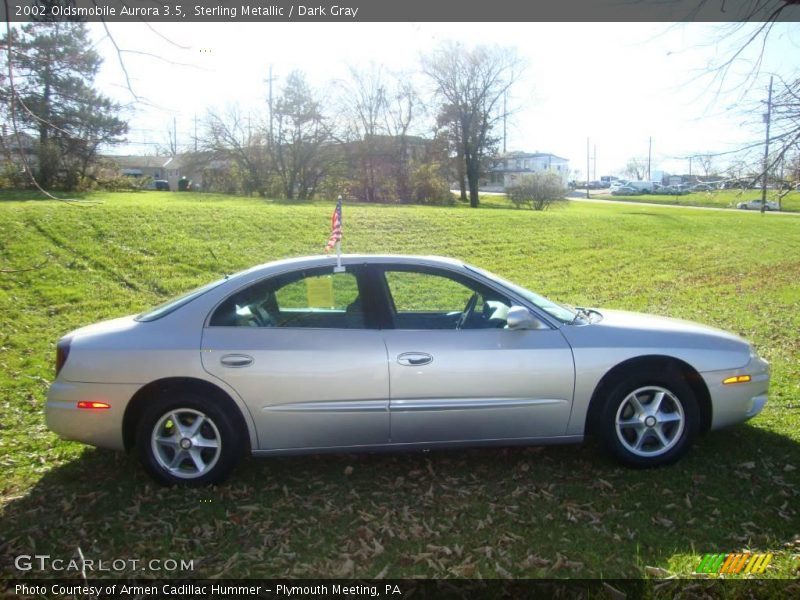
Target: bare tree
point(364, 103)
point(301, 135)
point(743, 42)
point(401, 108)
point(234, 140)
point(706, 163)
point(636, 168)
point(473, 82)
point(448, 134)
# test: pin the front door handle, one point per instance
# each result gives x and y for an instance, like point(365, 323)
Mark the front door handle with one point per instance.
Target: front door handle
point(236, 360)
point(414, 359)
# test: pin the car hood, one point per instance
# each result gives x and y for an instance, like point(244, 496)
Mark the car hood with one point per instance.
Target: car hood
point(621, 335)
point(641, 322)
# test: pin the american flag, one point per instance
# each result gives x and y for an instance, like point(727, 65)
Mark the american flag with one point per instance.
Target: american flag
point(336, 226)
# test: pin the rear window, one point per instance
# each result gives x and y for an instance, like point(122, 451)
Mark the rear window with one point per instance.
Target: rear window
point(171, 305)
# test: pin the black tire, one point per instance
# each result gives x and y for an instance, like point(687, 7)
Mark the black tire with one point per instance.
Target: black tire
point(654, 442)
point(216, 427)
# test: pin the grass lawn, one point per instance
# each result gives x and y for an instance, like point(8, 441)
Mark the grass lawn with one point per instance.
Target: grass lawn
point(714, 199)
point(524, 512)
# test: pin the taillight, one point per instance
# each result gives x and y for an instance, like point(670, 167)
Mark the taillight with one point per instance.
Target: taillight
point(62, 353)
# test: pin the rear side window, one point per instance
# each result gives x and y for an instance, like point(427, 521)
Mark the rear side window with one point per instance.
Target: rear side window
point(163, 310)
point(309, 299)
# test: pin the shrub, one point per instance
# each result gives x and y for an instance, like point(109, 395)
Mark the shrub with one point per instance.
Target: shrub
point(537, 191)
point(428, 186)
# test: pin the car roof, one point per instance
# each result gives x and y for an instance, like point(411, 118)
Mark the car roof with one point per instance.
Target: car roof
point(322, 260)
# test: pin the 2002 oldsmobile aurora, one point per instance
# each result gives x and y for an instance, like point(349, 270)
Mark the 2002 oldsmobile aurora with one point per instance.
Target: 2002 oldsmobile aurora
point(390, 352)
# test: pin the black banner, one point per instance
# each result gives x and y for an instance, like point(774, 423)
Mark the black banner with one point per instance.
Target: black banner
point(333, 589)
point(400, 10)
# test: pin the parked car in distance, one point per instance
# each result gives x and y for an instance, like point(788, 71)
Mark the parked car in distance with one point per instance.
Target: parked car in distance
point(390, 353)
point(672, 190)
point(756, 204)
point(624, 190)
point(702, 187)
point(643, 187)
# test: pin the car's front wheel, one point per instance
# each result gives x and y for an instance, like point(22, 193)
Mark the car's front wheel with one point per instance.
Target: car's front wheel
point(188, 440)
point(650, 421)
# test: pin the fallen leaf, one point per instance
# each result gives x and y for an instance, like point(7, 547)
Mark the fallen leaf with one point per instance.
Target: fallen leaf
point(656, 572)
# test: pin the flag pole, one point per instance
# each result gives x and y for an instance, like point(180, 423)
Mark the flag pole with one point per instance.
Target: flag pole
point(338, 268)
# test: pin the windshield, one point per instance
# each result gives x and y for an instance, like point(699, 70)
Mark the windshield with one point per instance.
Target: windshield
point(560, 312)
point(170, 305)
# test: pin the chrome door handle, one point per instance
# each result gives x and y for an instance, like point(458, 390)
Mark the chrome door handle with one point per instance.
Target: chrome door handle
point(414, 359)
point(236, 360)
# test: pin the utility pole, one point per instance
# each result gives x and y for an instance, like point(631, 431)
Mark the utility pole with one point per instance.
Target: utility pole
point(690, 166)
point(649, 156)
point(269, 82)
point(174, 136)
point(505, 94)
point(195, 132)
point(767, 118)
point(587, 167)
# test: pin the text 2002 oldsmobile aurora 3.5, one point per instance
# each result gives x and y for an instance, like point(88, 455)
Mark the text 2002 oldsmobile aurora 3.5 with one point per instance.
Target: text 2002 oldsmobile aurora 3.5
point(390, 352)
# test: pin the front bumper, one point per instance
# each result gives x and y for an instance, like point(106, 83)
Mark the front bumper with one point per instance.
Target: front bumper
point(97, 427)
point(736, 402)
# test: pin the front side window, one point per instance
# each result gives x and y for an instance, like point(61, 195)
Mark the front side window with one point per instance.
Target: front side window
point(308, 299)
point(427, 299)
point(560, 312)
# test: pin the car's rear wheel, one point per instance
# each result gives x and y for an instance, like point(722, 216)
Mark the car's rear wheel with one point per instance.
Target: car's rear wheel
point(187, 440)
point(650, 421)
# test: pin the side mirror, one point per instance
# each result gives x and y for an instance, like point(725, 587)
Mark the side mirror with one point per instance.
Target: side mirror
point(520, 317)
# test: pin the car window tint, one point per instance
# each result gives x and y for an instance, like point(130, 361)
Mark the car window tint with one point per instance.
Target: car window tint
point(309, 300)
point(328, 292)
point(424, 292)
point(424, 300)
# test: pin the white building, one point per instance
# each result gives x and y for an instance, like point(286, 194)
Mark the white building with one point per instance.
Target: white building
point(508, 168)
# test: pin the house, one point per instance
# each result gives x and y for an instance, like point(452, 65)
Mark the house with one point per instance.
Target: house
point(508, 168)
point(169, 168)
point(16, 150)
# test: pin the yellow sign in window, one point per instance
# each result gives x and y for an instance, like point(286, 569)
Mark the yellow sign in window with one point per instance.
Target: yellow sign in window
point(320, 292)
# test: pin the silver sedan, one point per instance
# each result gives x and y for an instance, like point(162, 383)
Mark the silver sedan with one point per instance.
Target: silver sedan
point(390, 352)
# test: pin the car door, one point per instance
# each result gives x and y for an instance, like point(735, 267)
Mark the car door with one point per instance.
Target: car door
point(303, 352)
point(457, 374)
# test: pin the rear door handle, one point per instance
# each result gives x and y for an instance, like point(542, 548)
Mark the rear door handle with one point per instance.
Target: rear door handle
point(236, 360)
point(414, 359)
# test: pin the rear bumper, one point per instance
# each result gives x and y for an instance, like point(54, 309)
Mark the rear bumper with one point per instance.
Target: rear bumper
point(97, 427)
point(737, 402)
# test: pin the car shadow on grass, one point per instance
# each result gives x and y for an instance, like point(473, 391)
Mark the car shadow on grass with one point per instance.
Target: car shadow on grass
point(558, 511)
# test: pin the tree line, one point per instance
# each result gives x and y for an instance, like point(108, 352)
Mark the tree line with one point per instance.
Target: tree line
point(376, 138)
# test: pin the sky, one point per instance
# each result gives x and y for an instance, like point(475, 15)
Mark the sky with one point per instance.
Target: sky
point(619, 84)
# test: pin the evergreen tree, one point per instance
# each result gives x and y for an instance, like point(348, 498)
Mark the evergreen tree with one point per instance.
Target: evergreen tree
point(54, 67)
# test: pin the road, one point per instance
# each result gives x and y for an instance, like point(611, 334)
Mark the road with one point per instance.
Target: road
point(580, 196)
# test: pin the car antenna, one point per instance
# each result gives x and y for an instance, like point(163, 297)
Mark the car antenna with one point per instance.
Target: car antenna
point(224, 274)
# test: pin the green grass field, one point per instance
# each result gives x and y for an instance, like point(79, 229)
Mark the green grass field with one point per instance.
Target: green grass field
point(524, 512)
point(715, 199)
